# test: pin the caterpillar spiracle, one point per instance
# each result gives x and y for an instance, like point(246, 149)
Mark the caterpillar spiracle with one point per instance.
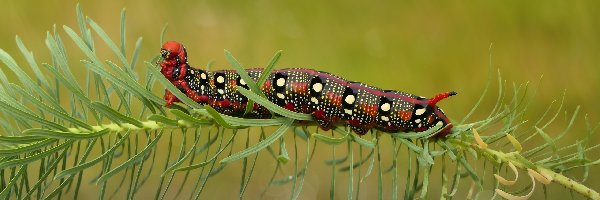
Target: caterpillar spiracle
point(328, 98)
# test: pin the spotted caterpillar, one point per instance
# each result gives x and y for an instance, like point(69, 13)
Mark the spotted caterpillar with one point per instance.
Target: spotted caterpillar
point(328, 98)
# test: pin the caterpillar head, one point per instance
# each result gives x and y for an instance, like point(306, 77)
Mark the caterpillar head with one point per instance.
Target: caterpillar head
point(173, 55)
point(173, 50)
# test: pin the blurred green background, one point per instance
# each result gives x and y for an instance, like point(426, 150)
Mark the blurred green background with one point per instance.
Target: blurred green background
point(422, 47)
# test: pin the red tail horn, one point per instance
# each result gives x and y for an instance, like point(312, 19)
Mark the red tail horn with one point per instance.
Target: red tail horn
point(441, 96)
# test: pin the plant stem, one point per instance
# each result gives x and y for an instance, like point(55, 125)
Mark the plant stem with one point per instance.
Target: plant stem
point(114, 127)
point(522, 163)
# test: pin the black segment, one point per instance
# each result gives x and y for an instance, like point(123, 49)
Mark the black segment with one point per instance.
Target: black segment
point(420, 106)
point(348, 91)
point(176, 72)
point(314, 81)
point(238, 82)
point(384, 100)
point(199, 74)
point(279, 75)
point(217, 84)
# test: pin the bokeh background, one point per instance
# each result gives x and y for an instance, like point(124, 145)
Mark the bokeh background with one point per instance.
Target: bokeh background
point(422, 47)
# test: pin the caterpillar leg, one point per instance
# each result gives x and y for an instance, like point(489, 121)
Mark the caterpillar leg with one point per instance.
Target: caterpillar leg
point(324, 122)
point(359, 130)
point(171, 99)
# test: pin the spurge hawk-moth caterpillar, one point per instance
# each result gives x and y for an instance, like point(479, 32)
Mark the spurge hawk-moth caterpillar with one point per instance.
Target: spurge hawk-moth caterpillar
point(327, 97)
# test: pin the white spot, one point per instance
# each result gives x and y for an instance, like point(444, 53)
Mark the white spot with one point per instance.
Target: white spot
point(202, 87)
point(203, 76)
point(281, 82)
point(440, 123)
point(191, 71)
point(220, 91)
point(384, 118)
point(385, 107)
point(242, 82)
point(349, 99)
point(220, 79)
point(420, 111)
point(314, 100)
point(418, 121)
point(420, 125)
point(348, 111)
point(317, 87)
point(280, 95)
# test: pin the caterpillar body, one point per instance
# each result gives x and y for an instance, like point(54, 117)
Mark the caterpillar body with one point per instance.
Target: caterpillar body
point(328, 98)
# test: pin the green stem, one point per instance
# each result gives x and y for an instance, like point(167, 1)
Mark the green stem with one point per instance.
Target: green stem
point(522, 163)
point(114, 127)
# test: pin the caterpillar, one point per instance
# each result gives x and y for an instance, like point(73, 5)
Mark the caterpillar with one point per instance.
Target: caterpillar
point(328, 98)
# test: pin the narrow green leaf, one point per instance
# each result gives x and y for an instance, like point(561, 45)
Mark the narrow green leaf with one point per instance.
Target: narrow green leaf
point(42, 106)
point(463, 161)
point(60, 60)
point(132, 161)
point(32, 63)
point(20, 139)
point(363, 142)
point(162, 34)
point(300, 132)
point(236, 121)
point(217, 117)
point(267, 71)
point(189, 118)
point(448, 147)
point(111, 44)
point(211, 160)
point(43, 177)
point(261, 145)
point(180, 160)
point(283, 156)
point(485, 89)
point(359, 163)
point(136, 53)
point(133, 86)
point(8, 187)
point(351, 172)
point(26, 80)
point(25, 115)
point(121, 80)
point(428, 160)
point(81, 166)
point(244, 75)
point(35, 157)
point(415, 135)
point(196, 166)
point(27, 148)
point(330, 140)
point(167, 84)
point(411, 146)
point(273, 107)
point(64, 135)
point(163, 119)
point(123, 12)
point(82, 27)
point(116, 116)
point(425, 183)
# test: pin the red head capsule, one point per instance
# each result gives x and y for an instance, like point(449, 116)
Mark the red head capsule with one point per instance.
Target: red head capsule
point(174, 57)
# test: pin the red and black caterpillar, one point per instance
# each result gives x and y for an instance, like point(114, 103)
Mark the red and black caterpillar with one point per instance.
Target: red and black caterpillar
point(328, 98)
